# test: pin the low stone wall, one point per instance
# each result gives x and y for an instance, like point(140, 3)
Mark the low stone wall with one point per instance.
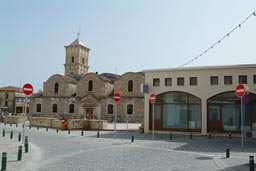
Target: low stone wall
point(14, 119)
point(41, 121)
point(56, 123)
point(99, 124)
point(76, 124)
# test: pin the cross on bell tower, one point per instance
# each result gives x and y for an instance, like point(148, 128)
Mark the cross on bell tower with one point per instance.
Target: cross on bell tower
point(77, 55)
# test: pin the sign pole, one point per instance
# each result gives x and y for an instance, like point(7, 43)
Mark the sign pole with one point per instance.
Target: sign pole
point(23, 135)
point(115, 122)
point(242, 124)
point(153, 122)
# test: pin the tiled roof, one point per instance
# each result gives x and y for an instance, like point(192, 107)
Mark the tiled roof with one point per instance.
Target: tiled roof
point(11, 88)
point(77, 42)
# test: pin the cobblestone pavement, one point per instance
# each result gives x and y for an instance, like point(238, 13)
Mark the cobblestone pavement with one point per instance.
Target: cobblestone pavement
point(52, 151)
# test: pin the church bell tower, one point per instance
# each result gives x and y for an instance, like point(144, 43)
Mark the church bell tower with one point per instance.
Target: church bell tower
point(76, 58)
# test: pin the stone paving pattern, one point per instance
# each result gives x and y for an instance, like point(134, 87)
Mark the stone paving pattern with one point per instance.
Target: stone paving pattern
point(64, 152)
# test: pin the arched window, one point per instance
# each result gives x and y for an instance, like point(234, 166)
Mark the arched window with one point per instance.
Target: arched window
point(56, 88)
point(110, 109)
point(38, 108)
point(54, 108)
point(71, 108)
point(130, 109)
point(90, 85)
point(72, 59)
point(130, 86)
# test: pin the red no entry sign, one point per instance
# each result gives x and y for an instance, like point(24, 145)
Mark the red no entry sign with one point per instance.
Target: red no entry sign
point(241, 90)
point(117, 97)
point(152, 98)
point(27, 89)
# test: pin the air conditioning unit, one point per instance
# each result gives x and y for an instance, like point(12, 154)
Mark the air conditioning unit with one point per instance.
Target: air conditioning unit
point(250, 134)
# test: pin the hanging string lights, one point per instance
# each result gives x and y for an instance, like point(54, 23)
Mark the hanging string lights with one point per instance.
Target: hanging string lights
point(219, 41)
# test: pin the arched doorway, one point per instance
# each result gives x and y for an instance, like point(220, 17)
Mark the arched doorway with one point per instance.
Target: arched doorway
point(224, 113)
point(178, 111)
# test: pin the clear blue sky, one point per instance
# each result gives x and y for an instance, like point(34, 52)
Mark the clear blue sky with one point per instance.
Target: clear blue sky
point(123, 35)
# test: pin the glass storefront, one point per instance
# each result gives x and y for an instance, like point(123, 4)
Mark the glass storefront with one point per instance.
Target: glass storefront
point(224, 112)
point(179, 110)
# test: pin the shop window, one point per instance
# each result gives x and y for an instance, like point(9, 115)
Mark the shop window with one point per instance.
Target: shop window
point(130, 109)
point(56, 88)
point(193, 80)
point(180, 81)
point(110, 109)
point(38, 108)
point(156, 82)
point(71, 108)
point(242, 79)
point(214, 80)
point(168, 81)
point(179, 110)
point(130, 86)
point(227, 79)
point(54, 108)
point(90, 85)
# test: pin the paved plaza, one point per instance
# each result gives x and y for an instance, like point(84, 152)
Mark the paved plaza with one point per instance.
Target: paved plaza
point(52, 151)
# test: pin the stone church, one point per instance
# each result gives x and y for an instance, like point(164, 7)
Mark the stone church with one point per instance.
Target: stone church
point(79, 93)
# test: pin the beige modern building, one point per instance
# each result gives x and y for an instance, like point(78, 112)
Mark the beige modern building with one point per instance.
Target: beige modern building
point(200, 99)
point(79, 94)
point(12, 101)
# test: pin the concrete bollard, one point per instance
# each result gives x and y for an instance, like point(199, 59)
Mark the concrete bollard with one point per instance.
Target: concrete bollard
point(4, 161)
point(3, 133)
point(11, 135)
point(98, 134)
point(19, 137)
point(227, 153)
point(82, 133)
point(19, 153)
point(251, 163)
point(132, 139)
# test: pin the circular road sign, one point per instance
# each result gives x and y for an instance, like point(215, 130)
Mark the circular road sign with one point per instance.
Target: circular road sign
point(152, 98)
point(27, 89)
point(241, 90)
point(117, 97)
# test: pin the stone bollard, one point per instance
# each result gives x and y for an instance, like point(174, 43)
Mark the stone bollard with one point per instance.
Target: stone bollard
point(4, 161)
point(3, 133)
point(132, 139)
point(11, 135)
point(251, 163)
point(19, 137)
point(19, 153)
point(227, 153)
